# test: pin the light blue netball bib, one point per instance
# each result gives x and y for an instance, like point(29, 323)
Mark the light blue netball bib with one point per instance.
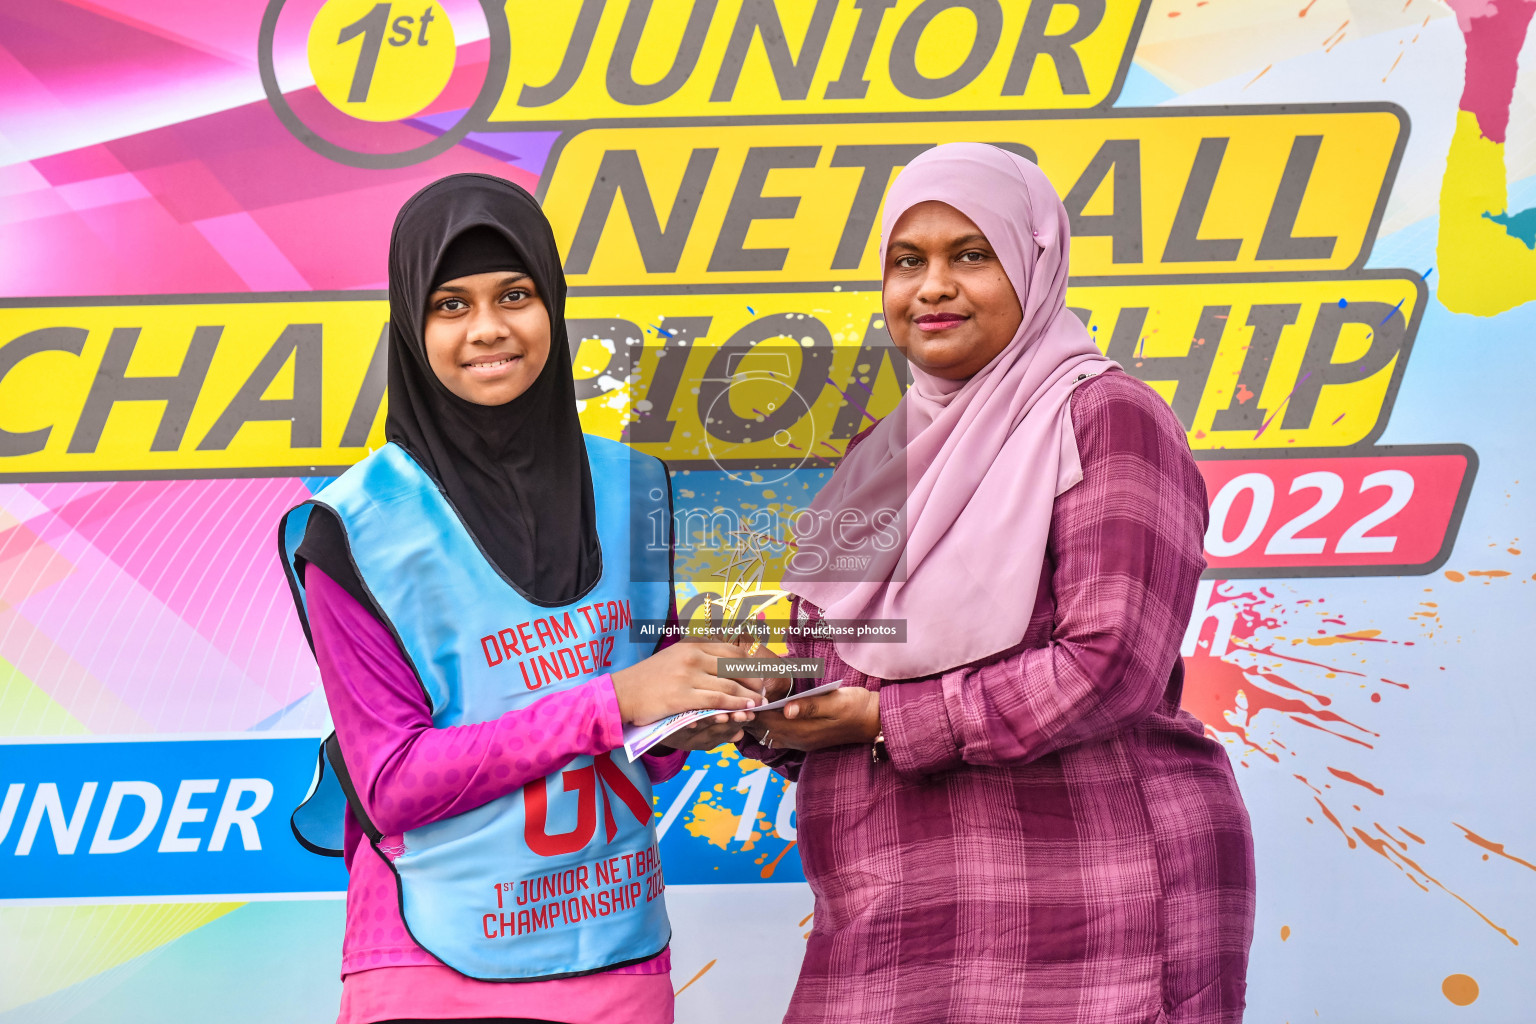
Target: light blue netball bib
point(561, 877)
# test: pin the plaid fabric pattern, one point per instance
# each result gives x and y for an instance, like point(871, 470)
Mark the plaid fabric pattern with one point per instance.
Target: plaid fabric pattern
point(1052, 840)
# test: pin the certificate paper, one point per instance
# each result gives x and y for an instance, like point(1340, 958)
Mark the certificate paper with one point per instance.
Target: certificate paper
point(640, 738)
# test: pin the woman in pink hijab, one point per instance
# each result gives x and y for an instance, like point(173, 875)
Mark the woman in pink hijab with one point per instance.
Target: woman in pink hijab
point(1008, 817)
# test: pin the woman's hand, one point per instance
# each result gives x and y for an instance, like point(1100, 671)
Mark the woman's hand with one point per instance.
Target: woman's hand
point(707, 734)
point(681, 678)
point(849, 714)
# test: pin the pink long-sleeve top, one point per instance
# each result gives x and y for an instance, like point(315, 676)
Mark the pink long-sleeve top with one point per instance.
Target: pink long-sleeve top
point(409, 773)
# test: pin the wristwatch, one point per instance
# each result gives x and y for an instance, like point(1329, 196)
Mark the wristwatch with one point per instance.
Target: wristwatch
point(877, 748)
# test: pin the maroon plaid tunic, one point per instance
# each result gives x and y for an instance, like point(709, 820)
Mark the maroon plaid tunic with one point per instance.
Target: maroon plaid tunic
point(1052, 839)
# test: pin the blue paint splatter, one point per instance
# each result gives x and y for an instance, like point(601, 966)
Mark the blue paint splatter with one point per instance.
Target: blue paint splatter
point(752, 311)
point(1343, 303)
point(1521, 226)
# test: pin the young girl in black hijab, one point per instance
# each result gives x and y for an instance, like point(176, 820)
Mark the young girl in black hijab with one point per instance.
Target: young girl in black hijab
point(468, 590)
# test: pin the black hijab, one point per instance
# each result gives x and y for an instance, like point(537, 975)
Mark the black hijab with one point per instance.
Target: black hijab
point(516, 473)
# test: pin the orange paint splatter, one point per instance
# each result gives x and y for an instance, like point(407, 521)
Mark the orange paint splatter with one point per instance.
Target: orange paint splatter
point(1460, 989)
point(1329, 815)
point(702, 971)
point(1492, 573)
point(1211, 687)
point(1357, 636)
point(1392, 856)
point(1302, 661)
point(1492, 847)
point(1382, 829)
point(1215, 688)
point(1307, 8)
point(1454, 576)
point(1285, 932)
point(1330, 732)
point(1228, 697)
point(1286, 684)
point(1357, 780)
point(768, 871)
point(1243, 394)
point(1513, 551)
point(1392, 68)
point(806, 918)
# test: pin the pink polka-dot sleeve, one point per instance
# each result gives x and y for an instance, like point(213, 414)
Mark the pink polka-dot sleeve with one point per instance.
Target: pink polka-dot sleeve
point(409, 773)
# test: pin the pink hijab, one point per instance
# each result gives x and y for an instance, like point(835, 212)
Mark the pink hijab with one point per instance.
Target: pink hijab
point(974, 466)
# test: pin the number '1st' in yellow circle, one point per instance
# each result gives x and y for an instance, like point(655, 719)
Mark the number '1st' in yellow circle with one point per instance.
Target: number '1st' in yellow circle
point(381, 61)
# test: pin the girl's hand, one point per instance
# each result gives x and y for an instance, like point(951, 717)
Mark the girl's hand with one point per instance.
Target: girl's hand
point(771, 687)
point(681, 678)
point(850, 714)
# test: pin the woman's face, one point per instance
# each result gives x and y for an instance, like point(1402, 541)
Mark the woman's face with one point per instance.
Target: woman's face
point(487, 335)
point(948, 305)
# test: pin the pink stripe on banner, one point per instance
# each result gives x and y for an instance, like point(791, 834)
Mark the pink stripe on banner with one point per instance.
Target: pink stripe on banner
point(78, 165)
point(156, 664)
point(17, 179)
point(254, 256)
point(48, 664)
point(164, 250)
point(27, 565)
point(28, 206)
point(207, 550)
point(178, 600)
point(117, 188)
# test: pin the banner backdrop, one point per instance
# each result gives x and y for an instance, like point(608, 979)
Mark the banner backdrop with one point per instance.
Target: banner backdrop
point(1309, 224)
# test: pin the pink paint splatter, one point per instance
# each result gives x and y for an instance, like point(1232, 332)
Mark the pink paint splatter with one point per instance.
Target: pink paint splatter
point(1494, 31)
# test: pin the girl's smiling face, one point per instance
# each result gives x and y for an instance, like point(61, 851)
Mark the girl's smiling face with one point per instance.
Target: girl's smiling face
point(487, 335)
point(949, 306)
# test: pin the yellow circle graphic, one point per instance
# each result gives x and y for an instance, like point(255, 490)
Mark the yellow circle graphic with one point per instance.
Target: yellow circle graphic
point(381, 61)
point(1460, 989)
